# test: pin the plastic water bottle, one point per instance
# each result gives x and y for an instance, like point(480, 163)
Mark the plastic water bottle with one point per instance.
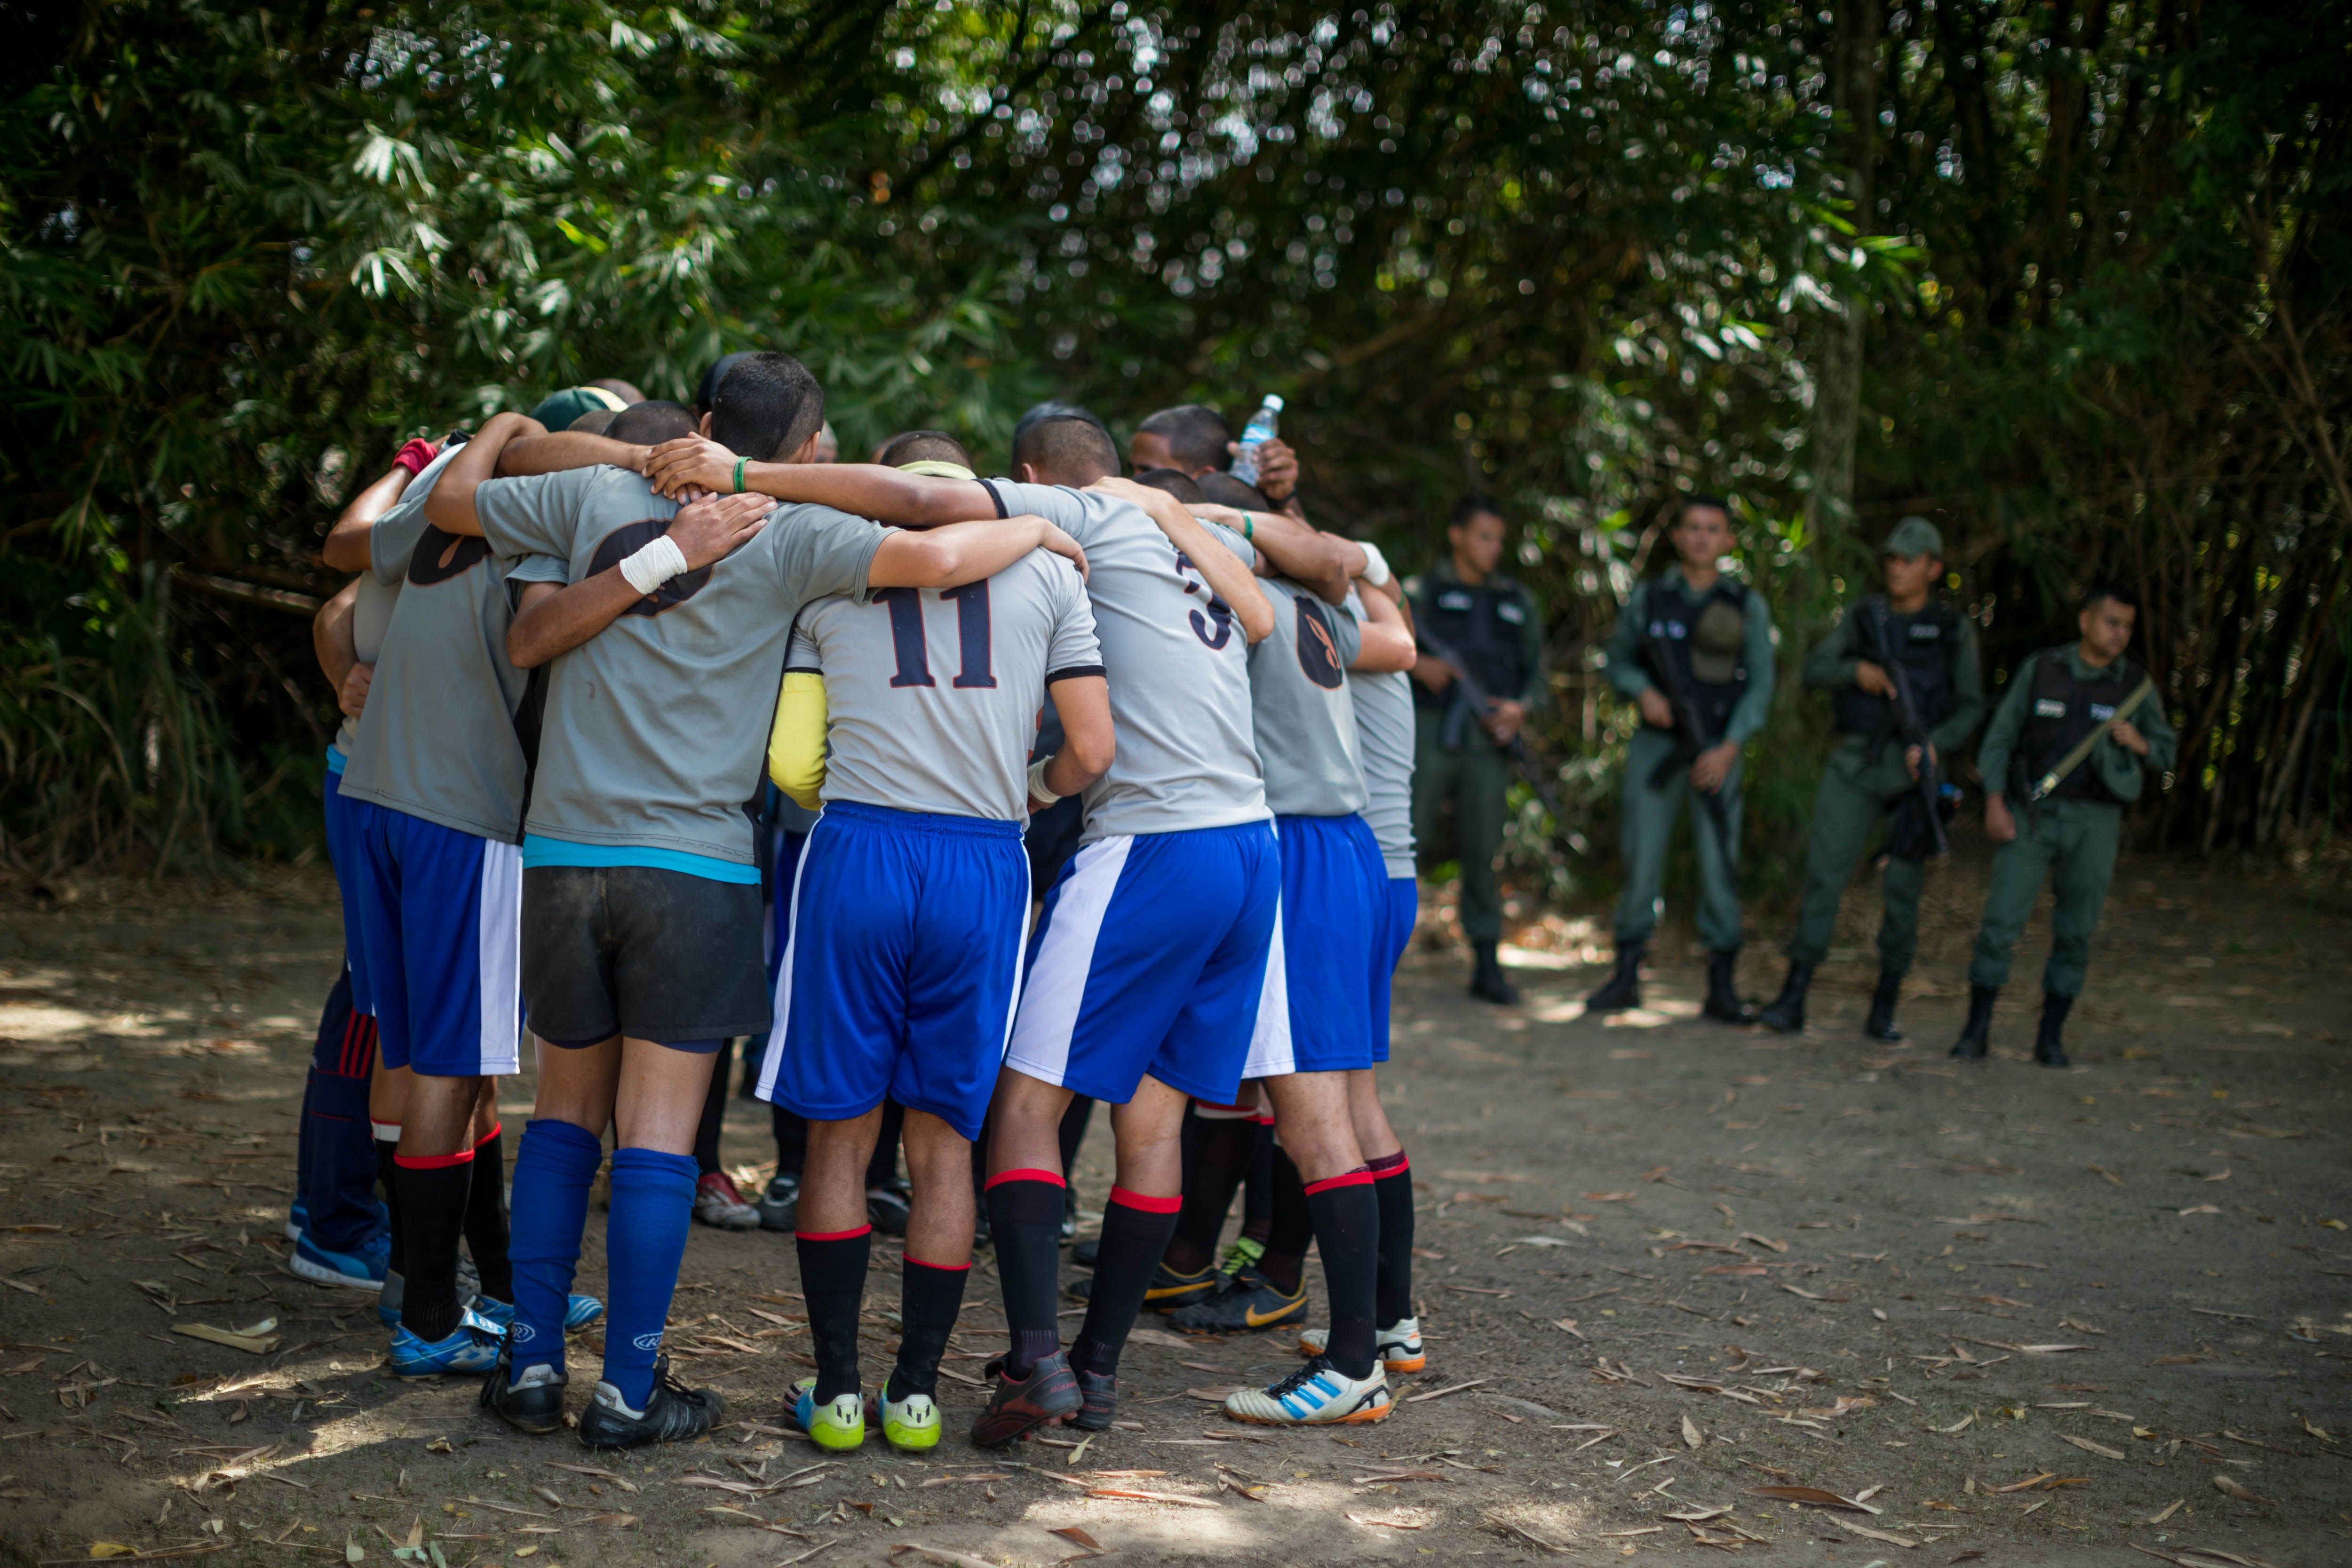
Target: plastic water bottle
point(1262, 427)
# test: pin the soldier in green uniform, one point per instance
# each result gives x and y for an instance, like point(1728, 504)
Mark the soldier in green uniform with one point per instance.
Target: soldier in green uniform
point(1870, 778)
point(1466, 730)
point(2075, 737)
point(1689, 639)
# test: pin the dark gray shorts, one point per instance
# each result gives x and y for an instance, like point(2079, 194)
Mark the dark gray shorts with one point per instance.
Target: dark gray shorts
point(627, 950)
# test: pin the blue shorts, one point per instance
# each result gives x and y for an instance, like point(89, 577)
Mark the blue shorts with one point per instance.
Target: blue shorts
point(1398, 917)
point(903, 964)
point(1317, 1015)
point(345, 859)
point(440, 941)
point(1150, 958)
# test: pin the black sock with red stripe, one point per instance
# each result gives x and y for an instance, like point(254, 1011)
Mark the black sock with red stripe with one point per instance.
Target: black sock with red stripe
point(833, 1278)
point(386, 1152)
point(1293, 1226)
point(1218, 1148)
point(433, 1211)
point(1393, 1189)
point(1347, 1216)
point(1257, 1192)
point(930, 1296)
point(1024, 1220)
point(486, 1216)
point(1135, 1232)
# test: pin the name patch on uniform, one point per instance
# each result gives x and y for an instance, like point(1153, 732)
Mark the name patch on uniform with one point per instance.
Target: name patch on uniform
point(2049, 708)
point(2102, 711)
point(1673, 630)
point(1925, 631)
point(1453, 599)
point(1515, 614)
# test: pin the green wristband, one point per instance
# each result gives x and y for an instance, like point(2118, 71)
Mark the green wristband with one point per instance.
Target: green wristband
point(739, 476)
point(1249, 529)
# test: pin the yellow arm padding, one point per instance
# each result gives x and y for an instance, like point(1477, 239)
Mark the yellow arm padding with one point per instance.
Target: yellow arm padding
point(796, 742)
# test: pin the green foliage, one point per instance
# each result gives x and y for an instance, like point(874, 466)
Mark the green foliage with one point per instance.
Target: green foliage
point(1588, 256)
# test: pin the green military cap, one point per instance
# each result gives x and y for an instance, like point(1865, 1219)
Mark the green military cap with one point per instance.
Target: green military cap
point(1915, 536)
point(559, 411)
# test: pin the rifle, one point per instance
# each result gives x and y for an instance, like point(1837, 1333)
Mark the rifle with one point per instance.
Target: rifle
point(1690, 739)
point(2074, 759)
point(1910, 731)
point(1472, 699)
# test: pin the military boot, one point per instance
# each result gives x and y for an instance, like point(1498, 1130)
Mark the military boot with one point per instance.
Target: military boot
point(1787, 1013)
point(1486, 979)
point(1977, 1031)
point(2049, 1048)
point(1623, 989)
point(1880, 1026)
point(1723, 1002)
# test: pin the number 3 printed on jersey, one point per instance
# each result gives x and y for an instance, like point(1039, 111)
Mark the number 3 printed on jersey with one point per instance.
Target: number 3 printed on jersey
point(976, 666)
point(1220, 614)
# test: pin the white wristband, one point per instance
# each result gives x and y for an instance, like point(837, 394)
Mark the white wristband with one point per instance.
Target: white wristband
point(1376, 566)
point(1037, 790)
point(655, 564)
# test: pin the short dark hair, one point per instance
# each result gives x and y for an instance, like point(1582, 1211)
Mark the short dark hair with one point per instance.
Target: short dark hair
point(1226, 490)
point(1474, 505)
point(649, 424)
point(766, 407)
point(2109, 589)
point(596, 421)
point(1695, 503)
point(923, 446)
point(622, 390)
point(1176, 482)
point(1067, 441)
point(708, 386)
point(1196, 435)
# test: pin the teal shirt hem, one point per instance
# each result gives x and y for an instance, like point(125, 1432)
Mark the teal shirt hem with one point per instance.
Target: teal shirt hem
point(336, 761)
point(542, 851)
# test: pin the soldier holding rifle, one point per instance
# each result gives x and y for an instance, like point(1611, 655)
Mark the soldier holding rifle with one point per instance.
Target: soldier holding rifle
point(2077, 734)
point(1905, 691)
point(1464, 749)
point(1694, 648)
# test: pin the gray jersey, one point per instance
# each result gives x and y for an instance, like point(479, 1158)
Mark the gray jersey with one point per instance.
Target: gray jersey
point(390, 539)
point(437, 737)
point(931, 698)
point(370, 618)
point(1305, 720)
point(1384, 744)
point(656, 726)
point(1180, 696)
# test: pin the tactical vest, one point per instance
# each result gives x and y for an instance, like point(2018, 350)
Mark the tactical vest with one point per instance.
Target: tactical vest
point(1925, 644)
point(2065, 709)
point(1674, 614)
point(1484, 626)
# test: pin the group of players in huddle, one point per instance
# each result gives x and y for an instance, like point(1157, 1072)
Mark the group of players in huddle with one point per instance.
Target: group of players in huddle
point(710, 609)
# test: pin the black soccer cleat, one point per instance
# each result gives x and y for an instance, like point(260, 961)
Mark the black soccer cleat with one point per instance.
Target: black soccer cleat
point(673, 1414)
point(1099, 1389)
point(534, 1404)
point(1247, 1303)
point(1019, 1405)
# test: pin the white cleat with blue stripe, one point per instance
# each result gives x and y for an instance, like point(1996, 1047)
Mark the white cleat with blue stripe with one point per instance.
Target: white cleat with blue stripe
point(1317, 1394)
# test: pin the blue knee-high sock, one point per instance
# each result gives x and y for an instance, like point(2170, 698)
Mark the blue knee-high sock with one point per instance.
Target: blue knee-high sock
point(644, 1240)
point(554, 1167)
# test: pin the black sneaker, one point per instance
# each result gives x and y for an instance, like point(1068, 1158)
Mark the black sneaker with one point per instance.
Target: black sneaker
point(779, 1202)
point(1247, 1303)
point(1083, 1253)
point(673, 1414)
point(1100, 1392)
point(886, 1209)
point(534, 1404)
point(1018, 1407)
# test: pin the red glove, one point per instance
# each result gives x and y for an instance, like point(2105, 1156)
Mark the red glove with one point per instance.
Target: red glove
point(415, 455)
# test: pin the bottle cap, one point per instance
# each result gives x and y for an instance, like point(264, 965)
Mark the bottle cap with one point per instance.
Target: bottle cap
point(1272, 401)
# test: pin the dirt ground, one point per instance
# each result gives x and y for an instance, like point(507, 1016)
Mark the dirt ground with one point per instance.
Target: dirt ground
point(2010, 1315)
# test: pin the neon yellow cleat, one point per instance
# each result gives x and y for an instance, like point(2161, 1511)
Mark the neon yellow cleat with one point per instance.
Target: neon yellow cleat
point(837, 1425)
point(910, 1425)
